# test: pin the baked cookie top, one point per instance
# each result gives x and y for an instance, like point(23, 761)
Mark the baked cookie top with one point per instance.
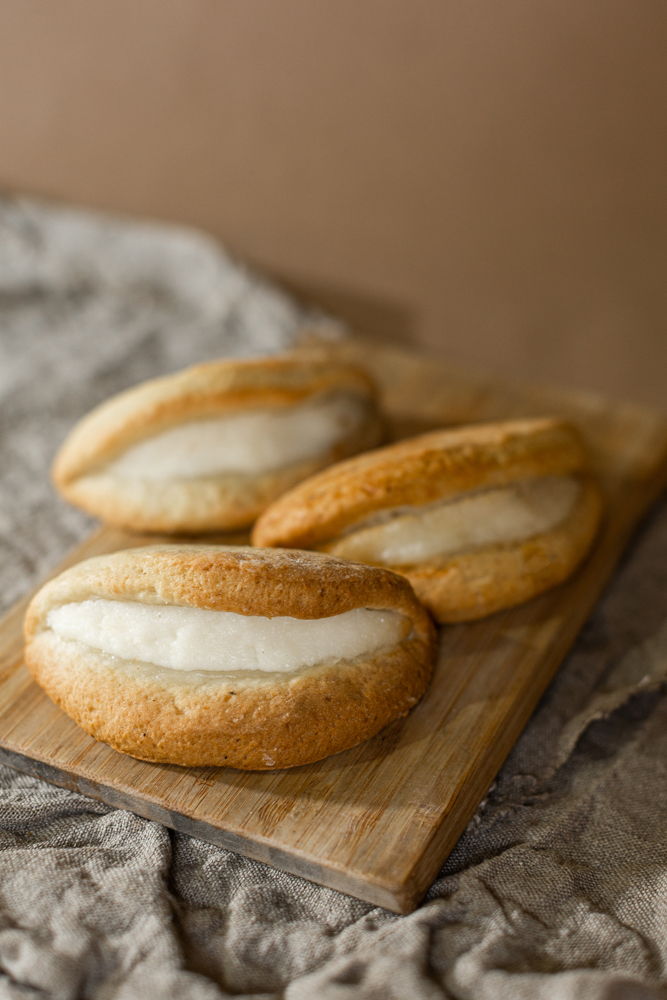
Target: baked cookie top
point(217, 388)
point(267, 582)
point(422, 470)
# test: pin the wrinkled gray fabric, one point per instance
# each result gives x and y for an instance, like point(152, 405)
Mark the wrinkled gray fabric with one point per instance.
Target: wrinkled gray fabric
point(558, 889)
point(90, 306)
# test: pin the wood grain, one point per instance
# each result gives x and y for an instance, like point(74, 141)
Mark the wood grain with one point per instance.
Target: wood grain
point(376, 821)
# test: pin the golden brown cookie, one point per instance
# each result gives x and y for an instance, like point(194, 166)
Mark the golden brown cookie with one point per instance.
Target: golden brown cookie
point(209, 448)
point(478, 518)
point(231, 656)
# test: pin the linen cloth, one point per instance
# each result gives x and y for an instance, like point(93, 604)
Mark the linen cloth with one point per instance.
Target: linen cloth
point(557, 889)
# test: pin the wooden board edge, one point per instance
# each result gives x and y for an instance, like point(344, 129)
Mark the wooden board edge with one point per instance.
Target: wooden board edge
point(481, 379)
point(145, 807)
point(454, 823)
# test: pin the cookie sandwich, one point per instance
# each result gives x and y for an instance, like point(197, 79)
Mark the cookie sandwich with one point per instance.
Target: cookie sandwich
point(478, 518)
point(222, 655)
point(209, 448)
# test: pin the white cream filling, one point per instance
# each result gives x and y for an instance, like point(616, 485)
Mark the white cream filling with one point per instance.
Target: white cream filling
point(252, 442)
point(506, 514)
point(222, 641)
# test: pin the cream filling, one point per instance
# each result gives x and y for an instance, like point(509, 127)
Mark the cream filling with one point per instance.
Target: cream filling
point(252, 442)
point(507, 514)
point(222, 641)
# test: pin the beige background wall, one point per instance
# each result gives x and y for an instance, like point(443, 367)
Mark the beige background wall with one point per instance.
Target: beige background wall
point(486, 178)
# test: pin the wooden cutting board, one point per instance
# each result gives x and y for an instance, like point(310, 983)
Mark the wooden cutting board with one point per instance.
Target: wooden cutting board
point(376, 821)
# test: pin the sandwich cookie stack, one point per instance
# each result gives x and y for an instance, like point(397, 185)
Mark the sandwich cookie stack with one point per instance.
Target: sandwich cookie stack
point(209, 448)
point(477, 518)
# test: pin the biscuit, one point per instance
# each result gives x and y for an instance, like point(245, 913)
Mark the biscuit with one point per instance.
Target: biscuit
point(478, 518)
point(231, 656)
point(209, 448)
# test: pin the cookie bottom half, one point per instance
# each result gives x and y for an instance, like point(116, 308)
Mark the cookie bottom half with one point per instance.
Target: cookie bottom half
point(478, 583)
point(241, 721)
